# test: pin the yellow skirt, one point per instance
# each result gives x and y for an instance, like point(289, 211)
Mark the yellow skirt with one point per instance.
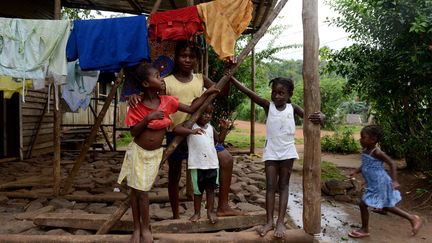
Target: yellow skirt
point(140, 167)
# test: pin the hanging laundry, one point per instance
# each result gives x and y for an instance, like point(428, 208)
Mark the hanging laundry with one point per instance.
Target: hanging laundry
point(178, 24)
point(33, 49)
point(108, 44)
point(10, 85)
point(79, 87)
point(224, 22)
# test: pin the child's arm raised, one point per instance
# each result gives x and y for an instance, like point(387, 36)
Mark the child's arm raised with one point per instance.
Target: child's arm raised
point(316, 117)
point(224, 127)
point(142, 125)
point(181, 130)
point(198, 102)
point(379, 154)
point(252, 95)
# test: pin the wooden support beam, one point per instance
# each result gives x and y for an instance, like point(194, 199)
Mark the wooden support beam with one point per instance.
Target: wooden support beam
point(102, 128)
point(225, 79)
point(252, 112)
point(89, 141)
point(94, 221)
point(57, 122)
point(135, 6)
point(311, 132)
point(156, 6)
point(113, 218)
point(290, 236)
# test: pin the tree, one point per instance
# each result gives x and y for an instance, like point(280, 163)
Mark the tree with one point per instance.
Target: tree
point(390, 67)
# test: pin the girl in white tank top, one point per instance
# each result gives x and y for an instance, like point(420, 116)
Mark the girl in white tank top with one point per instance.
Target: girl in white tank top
point(279, 151)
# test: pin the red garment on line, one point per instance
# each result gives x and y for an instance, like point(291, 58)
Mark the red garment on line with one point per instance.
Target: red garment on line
point(178, 24)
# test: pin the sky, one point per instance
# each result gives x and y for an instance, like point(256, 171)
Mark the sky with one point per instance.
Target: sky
point(291, 17)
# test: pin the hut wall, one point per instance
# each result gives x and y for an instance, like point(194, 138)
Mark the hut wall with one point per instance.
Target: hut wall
point(31, 112)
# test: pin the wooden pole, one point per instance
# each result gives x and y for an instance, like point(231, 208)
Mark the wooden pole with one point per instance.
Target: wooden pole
point(114, 135)
point(311, 132)
point(252, 114)
point(228, 74)
point(89, 141)
point(57, 123)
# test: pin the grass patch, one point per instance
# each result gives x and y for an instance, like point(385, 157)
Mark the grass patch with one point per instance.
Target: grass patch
point(124, 139)
point(240, 138)
point(328, 171)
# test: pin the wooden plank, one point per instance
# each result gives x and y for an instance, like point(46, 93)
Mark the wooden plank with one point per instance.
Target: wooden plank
point(37, 152)
point(4, 160)
point(94, 221)
point(40, 145)
point(27, 182)
point(32, 214)
point(290, 236)
point(311, 132)
point(154, 197)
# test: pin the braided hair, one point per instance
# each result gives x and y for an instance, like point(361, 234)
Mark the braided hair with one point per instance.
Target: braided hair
point(375, 131)
point(286, 82)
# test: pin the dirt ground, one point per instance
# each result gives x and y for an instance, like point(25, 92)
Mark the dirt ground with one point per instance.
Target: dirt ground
point(340, 218)
point(99, 176)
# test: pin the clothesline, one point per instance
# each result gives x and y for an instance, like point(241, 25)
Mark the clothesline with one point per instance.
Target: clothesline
point(38, 50)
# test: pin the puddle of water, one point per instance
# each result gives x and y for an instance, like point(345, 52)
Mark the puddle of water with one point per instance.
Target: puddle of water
point(336, 218)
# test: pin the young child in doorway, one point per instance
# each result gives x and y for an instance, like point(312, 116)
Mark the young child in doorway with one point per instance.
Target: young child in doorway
point(380, 191)
point(279, 152)
point(148, 122)
point(203, 160)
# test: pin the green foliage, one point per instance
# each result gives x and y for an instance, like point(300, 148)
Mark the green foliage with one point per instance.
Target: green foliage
point(329, 171)
point(76, 13)
point(390, 67)
point(124, 139)
point(342, 141)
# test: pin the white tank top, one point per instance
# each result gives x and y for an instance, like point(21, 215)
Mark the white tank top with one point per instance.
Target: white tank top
point(280, 131)
point(202, 152)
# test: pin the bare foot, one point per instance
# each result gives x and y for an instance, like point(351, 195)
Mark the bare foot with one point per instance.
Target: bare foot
point(227, 211)
point(146, 236)
point(195, 217)
point(280, 230)
point(212, 217)
point(262, 231)
point(135, 237)
point(416, 224)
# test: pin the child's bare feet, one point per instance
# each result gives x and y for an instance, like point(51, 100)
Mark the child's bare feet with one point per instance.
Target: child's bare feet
point(212, 217)
point(135, 238)
point(146, 236)
point(262, 231)
point(416, 224)
point(228, 211)
point(280, 230)
point(195, 217)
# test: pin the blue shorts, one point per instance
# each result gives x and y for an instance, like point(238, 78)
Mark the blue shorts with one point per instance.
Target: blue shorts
point(181, 152)
point(219, 147)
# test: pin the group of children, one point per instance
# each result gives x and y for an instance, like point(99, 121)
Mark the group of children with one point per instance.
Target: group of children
point(153, 115)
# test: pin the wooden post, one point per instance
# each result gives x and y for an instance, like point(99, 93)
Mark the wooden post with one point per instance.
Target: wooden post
point(252, 114)
point(89, 141)
point(228, 74)
point(114, 134)
point(311, 132)
point(102, 129)
point(57, 123)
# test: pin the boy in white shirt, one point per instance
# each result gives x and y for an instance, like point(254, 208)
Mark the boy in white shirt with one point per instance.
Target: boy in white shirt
point(203, 161)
